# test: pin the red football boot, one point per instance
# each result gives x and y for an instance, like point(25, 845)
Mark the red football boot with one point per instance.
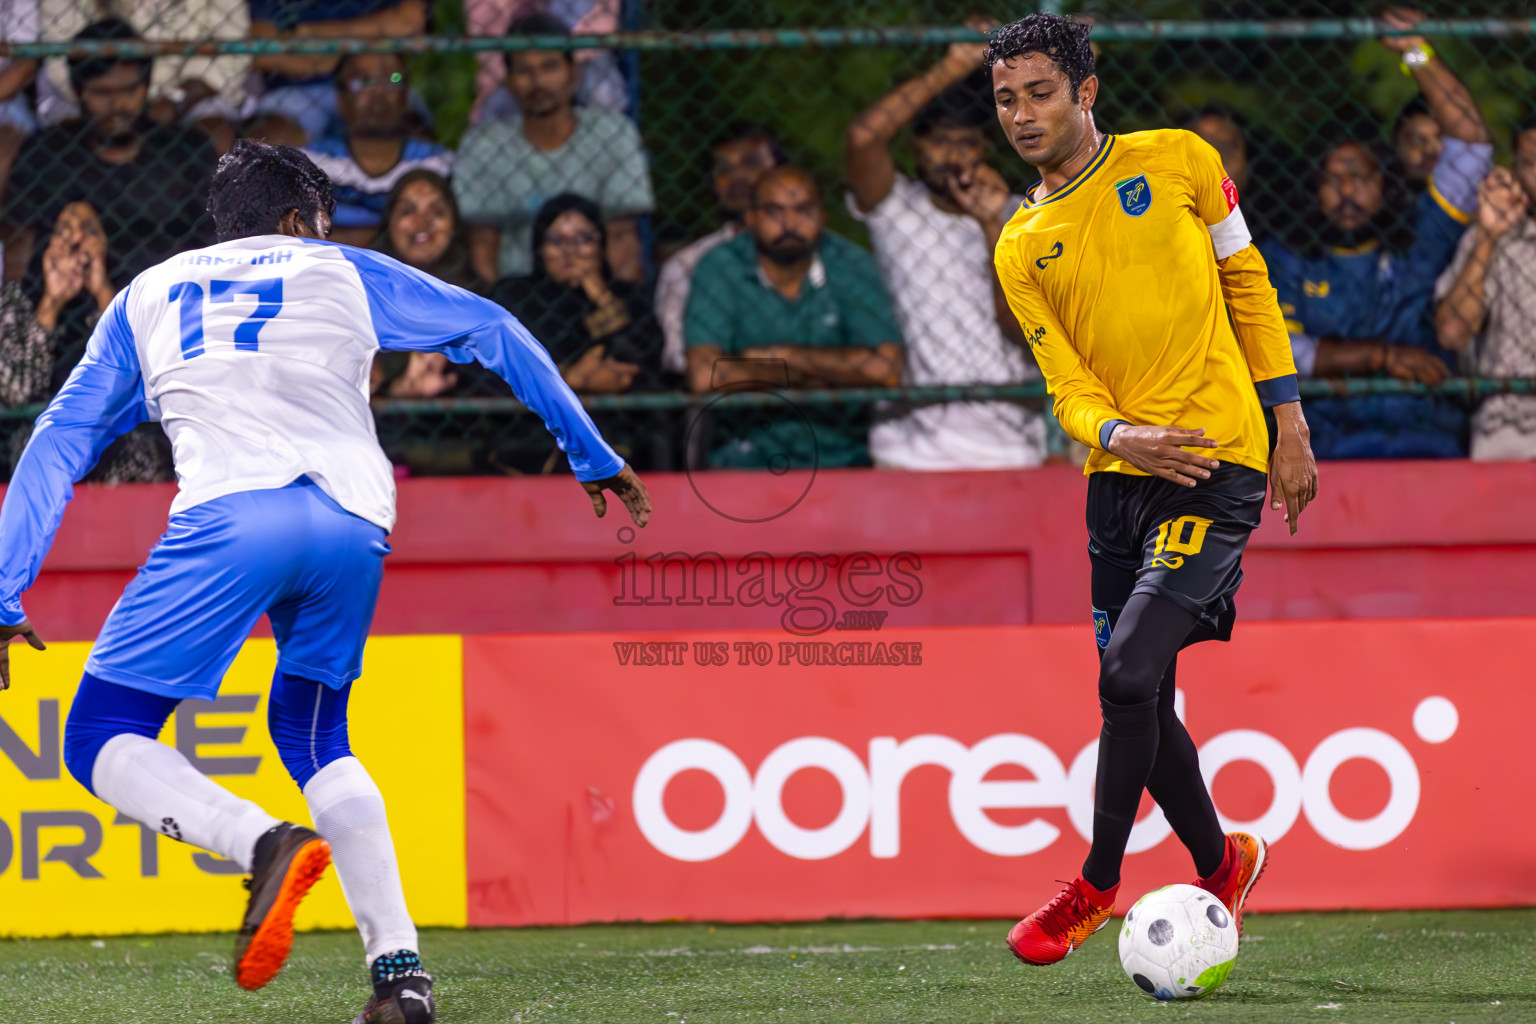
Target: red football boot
point(1063, 924)
point(1240, 869)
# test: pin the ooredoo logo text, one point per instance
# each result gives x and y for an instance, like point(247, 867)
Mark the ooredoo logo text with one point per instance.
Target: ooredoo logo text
point(871, 788)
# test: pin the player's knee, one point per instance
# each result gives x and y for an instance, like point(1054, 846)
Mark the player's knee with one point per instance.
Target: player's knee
point(308, 723)
point(83, 740)
point(102, 710)
point(1127, 680)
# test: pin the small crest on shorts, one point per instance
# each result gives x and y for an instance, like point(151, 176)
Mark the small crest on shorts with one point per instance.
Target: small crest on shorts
point(1135, 195)
point(1101, 628)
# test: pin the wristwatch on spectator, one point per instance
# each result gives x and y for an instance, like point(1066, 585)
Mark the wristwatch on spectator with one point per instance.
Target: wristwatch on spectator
point(1417, 57)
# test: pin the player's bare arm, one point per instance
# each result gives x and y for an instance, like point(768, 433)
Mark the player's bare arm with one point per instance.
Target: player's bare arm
point(629, 489)
point(1164, 452)
point(1292, 469)
point(24, 630)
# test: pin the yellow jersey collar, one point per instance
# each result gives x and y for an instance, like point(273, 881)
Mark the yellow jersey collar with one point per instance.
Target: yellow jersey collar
point(1077, 179)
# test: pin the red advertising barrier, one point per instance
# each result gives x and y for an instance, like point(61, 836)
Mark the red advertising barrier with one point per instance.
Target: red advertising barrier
point(1388, 539)
point(948, 772)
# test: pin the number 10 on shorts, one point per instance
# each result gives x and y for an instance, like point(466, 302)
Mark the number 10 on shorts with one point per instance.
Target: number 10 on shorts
point(1177, 538)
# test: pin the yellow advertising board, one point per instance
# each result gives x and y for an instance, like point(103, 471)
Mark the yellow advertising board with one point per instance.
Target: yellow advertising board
point(70, 866)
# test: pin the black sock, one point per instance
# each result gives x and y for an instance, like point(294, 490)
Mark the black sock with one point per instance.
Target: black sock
point(1179, 788)
point(1127, 750)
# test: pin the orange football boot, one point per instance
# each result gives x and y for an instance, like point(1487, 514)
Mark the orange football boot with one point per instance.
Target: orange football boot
point(1246, 858)
point(289, 860)
point(1063, 924)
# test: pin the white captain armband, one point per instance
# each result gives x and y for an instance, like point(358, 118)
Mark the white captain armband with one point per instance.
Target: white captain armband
point(1231, 235)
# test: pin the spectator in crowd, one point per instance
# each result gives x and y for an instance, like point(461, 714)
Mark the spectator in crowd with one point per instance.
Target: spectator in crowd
point(375, 148)
point(599, 330)
point(507, 169)
point(18, 114)
point(1491, 288)
point(934, 239)
point(18, 117)
point(789, 303)
point(206, 92)
point(1416, 137)
point(44, 323)
point(602, 84)
point(740, 155)
point(1357, 298)
point(299, 96)
point(421, 228)
point(147, 182)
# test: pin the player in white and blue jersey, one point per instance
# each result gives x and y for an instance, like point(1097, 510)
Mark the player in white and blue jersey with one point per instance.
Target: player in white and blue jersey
point(254, 356)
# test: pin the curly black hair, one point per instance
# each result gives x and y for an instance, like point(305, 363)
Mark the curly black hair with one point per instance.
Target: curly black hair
point(257, 184)
point(1063, 40)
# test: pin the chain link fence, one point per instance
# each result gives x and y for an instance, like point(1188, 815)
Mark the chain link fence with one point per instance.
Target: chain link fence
point(757, 233)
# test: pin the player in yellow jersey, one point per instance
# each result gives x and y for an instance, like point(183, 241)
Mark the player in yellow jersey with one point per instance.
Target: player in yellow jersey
point(1153, 320)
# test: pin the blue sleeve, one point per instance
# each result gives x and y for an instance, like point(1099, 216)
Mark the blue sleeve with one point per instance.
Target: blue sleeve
point(415, 312)
point(103, 398)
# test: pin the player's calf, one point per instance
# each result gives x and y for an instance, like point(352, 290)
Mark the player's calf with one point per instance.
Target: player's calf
point(1056, 929)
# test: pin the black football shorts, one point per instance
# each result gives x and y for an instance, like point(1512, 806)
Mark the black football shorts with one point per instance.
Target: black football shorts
point(1147, 535)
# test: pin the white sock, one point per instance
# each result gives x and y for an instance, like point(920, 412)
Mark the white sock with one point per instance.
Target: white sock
point(348, 810)
point(154, 784)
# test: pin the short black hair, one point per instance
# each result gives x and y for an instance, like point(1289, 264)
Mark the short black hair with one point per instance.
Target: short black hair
point(1214, 108)
point(257, 184)
point(539, 24)
point(1063, 40)
point(736, 131)
point(1526, 124)
point(83, 69)
point(966, 104)
point(1412, 108)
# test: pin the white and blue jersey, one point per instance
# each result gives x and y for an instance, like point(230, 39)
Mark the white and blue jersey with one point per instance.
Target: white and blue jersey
point(254, 356)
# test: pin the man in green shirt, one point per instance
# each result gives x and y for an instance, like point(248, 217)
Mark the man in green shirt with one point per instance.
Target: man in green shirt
point(789, 304)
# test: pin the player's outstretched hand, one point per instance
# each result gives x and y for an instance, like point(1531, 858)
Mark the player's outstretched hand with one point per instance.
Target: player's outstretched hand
point(1161, 452)
point(24, 630)
point(1292, 469)
point(630, 490)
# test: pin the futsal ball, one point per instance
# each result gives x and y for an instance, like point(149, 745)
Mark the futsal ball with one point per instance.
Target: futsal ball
point(1178, 942)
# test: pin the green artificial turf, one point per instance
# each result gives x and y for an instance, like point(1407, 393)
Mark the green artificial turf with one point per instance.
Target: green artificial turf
point(1459, 966)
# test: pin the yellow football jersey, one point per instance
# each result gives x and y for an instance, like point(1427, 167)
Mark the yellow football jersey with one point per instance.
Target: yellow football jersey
point(1116, 281)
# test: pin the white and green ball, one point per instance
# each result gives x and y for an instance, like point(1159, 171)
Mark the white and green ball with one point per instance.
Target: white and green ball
point(1178, 942)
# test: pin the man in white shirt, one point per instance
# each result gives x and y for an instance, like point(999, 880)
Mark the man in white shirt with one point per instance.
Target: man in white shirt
point(739, 156)
point(934, 239)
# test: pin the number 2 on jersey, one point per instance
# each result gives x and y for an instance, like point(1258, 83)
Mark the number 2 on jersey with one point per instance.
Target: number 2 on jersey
point(268, 293)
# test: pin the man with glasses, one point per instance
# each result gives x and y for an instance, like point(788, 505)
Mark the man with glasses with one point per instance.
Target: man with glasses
point(741, 153)
point(377, 148)
point(146, 181)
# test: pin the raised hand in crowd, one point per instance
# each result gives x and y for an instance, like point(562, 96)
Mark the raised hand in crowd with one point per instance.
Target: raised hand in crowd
point(981, 192)
point(1501, 202)
point(74, 262)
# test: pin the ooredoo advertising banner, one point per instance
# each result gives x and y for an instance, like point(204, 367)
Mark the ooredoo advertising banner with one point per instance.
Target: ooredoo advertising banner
point(943, 772)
